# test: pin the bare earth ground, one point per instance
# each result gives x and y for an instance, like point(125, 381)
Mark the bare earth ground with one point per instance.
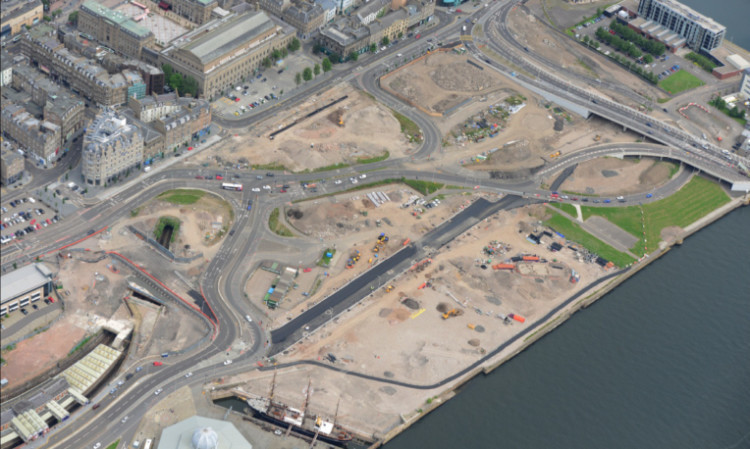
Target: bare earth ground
point(338, 223)
point(611, 176)
point(530, 132)
point(414, 343)
point(369, 130)
point(91, 297)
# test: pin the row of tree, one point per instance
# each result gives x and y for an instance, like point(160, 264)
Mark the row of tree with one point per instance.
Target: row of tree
point(310, 72)
point(635, 68)
point(705, 63)
point(721, 105)
point(618, 43)
point(651, 46)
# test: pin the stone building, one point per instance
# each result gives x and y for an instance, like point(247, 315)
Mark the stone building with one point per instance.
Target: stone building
point(305, 17)
point(81, 74)
point(114, 29)
point(196, 11)
point(111, 147)
point(16, 14)
point(39, 139)
point(11, 165)
point(225, 52)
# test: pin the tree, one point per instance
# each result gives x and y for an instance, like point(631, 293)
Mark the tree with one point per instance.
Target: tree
point(307, 74)
point(586, 38)
point(175, 82)
point(373, 47)
point(317, 48)
point(385, 40)
point(316, 70)
point(326, 63)
point(648, 59)
point(400, 34)
point(354, 56)
point(298, 78)
point(57, 12)
point(294, 45)
point(266, 62)
point(166, 68)
point(335, 58)
point(284, 52)
point(276, 54)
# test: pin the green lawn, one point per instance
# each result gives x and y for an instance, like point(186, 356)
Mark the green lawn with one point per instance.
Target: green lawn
point(114, 445)
point(423, 187)
point(408, 127)
point(699, 197)
point(182, 196)
point(680, 81)
point(573, 231)
point(568, 208)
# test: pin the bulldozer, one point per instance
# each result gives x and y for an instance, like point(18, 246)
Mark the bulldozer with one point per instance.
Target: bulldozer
point(450, 313)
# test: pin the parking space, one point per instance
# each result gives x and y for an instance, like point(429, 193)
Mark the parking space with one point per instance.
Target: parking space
point(264, 89)
point(23, 217)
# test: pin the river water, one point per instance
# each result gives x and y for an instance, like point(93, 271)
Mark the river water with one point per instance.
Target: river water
point(661, 362)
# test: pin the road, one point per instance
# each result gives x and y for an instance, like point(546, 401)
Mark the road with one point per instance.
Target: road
point(222, 281)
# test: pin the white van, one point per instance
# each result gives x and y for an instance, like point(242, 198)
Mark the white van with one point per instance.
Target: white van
point(32, 200)
point(249, 320)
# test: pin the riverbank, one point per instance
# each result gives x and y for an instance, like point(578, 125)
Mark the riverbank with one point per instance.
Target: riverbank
point(577, 302)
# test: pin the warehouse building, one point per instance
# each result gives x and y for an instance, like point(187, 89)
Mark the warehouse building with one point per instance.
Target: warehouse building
point(24, 286)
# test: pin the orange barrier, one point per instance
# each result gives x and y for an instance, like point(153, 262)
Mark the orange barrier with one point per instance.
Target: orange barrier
point(518, 318)
point(504, 266)
point(531, 258)
point(424, 284)
point(406, 242)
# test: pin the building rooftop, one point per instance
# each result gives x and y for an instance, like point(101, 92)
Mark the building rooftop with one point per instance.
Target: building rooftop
point(106, 130)
point(15, 8)
point(200, 432)
point(219, 39)
point(304, 12)
point(23, 280)
point(686, 11)
point(116, 17)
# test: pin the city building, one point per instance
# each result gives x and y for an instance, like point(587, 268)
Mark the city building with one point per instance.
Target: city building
point(344, 6)
point(305, 17)
point(113, 29)
point(11, 165)
point(16, 14)
point(25, 286)
point(6, 67)
point(329, 9)
point(196, 11)
point(111, 147)
point(198, 432)
point(38, 139)
point(369, 26)
point(274, 7)
point(745, 86)
point(701, 33)
point(225, 52)
point(59, 106)
point(179, 120)
point(82, 75)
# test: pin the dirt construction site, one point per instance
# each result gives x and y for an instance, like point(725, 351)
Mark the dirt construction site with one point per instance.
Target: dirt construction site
point(430, 322)
point(350, 226)
point(353, 129)
point(609, 176)
point(490, 123)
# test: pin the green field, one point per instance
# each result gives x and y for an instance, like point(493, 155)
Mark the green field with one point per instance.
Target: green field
point(408, 127)
point(680, 81)
point(567, 208)
point(182, 196)
point(573, 231)
point(699, 197)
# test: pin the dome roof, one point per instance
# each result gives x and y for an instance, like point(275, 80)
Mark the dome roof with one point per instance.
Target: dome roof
point(205, 438)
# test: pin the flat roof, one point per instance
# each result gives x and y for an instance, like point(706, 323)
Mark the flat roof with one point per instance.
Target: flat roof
point(230, 35)
point(23, 280)
point(117, 17)
point(689, 12)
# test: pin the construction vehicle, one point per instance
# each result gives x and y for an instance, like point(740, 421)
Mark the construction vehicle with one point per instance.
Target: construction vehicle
point(555, 154)
point(597, 138)
point(450, 313)
point(389, 288)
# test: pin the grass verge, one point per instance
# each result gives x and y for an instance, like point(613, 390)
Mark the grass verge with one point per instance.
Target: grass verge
point(573, 231)
point(164, 222)
point(325, 260)
point(696, 199)
point(370, 160)
point(182, 196)
point(408, 127)
point(271, 166)
point(80, 344)
point(424, 187)
point(567, 208)
point(680, 81)
point(276, 226)
point(114, 445)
